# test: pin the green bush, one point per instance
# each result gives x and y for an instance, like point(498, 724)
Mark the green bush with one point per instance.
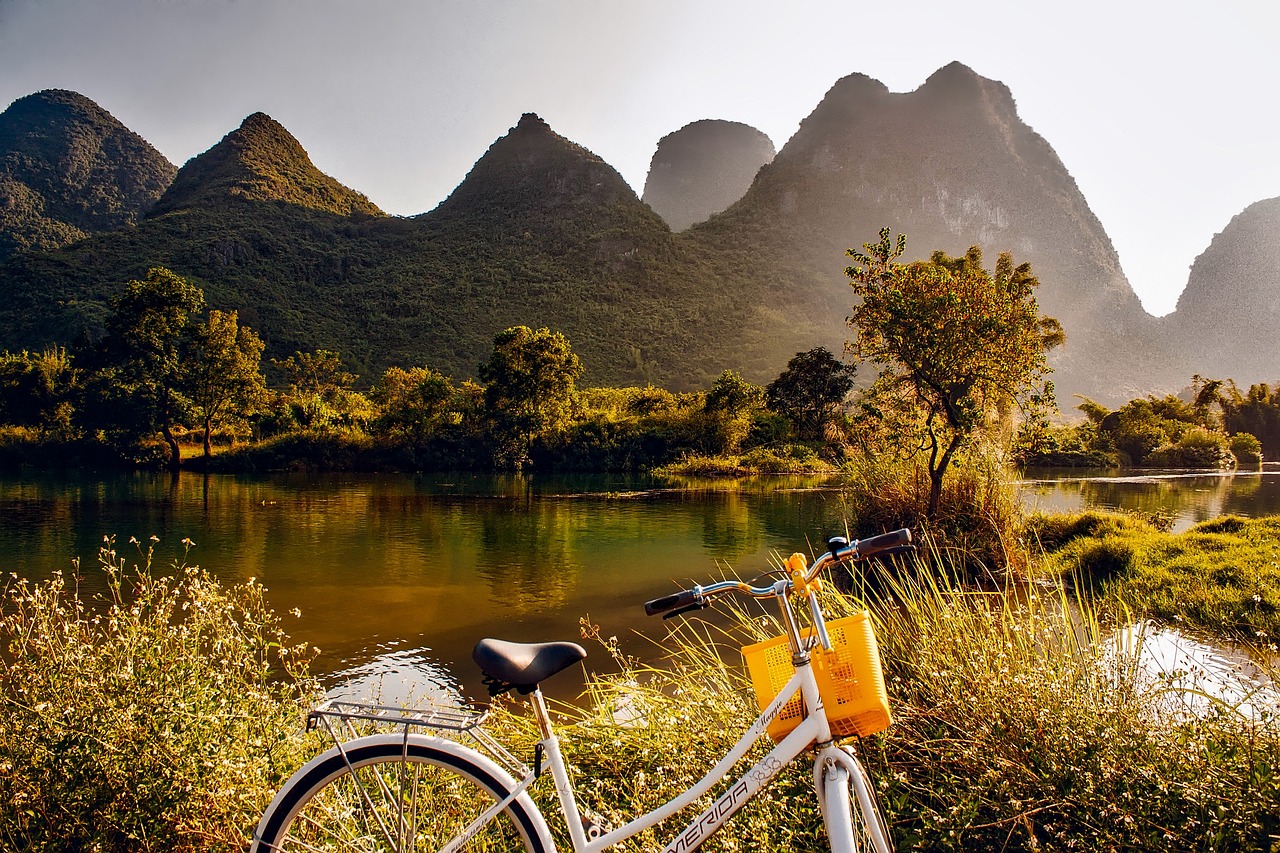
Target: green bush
point(1196, 448)
point(161, 718)
point(1246, 449)
point(978, 523)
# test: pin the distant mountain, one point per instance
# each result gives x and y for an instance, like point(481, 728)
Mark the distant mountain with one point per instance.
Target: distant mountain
point(544, 232)
point(260, 161)
point(1228, 318)
point(541, 232)
point(950, 165)
point(68, 169)
point(703, 168)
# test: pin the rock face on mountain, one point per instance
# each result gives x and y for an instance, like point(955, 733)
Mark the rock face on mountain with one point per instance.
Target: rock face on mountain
point(950, 165)
point(261, 161)
point(68, 168)
point(1228, 317)
point(702, 168)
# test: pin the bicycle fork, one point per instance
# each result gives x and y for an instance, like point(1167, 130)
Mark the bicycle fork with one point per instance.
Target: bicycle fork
point(835, 773)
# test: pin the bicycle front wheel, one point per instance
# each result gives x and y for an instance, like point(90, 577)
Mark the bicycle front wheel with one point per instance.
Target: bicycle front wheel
point(850, 810)
point(383, 794)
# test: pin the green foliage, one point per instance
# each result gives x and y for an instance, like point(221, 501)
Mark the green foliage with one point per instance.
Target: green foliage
point(529, 388)
point(730, 406)
point(71, 169)
point(811, 390)
point(415, 403)
point(977, 522)
point(1222, 575)
point(1246, 449)
point(1020, 726)
point(956, 341)
point(140, 360)
point(320, 396)
point(1156, 431)
point(159, 719)
point(222, 375)
point(1197, 447)
point(38, 390)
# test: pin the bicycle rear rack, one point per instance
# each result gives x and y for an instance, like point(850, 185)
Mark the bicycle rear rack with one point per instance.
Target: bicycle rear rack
point(435, 718)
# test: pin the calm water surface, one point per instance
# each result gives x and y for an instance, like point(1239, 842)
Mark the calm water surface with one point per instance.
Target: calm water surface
point(398, 576)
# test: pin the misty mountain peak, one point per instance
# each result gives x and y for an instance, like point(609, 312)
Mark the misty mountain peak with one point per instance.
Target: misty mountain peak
point(702, 168)
point(261, 161)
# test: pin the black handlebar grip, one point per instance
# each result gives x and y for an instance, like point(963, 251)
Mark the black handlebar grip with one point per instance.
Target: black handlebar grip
point(876, 545)
point(669, 602)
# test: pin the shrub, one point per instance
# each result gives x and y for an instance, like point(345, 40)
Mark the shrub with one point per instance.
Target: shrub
point(1246, 449)
point(978, 523)
point(159, 719)
point(1196, 448)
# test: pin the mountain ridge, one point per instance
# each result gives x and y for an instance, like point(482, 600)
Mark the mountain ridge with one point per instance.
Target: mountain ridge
point(261, 161)
point(542, 231)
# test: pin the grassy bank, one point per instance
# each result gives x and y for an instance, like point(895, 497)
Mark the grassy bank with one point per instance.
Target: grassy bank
point(164, 718)
point(1222, 576)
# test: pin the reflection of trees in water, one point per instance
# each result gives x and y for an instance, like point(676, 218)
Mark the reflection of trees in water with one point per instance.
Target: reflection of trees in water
point(526, 551)
point(727, 528)
point(806, 519)
point(1193, 499)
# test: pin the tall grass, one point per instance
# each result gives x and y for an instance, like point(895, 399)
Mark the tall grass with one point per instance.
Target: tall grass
point(160, 718)
point(1019, 725)
point(1022, 727)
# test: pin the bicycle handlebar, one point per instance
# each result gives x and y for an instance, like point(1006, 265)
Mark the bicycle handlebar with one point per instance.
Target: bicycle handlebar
point(839, 551)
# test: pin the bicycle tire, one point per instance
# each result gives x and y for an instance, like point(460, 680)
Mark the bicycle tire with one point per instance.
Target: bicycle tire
point(876, 826)
point(383, 794)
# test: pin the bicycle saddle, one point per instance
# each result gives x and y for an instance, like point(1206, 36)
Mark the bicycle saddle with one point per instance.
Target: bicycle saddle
point(521, 666)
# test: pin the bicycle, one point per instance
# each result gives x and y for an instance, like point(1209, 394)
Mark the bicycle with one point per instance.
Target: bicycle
point(407, 791)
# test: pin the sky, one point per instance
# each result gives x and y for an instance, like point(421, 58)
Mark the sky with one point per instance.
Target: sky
point(1162, 110)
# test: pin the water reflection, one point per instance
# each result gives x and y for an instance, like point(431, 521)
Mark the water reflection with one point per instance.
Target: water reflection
point(1193, 677)
point(404, 677)
point(1186, 497)
point(383, 564)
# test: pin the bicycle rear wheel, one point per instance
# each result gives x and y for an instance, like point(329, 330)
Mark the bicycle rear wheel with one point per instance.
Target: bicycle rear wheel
point(381, 794)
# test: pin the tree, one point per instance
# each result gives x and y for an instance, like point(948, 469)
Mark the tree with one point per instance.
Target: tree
point(320, 392)
point(415, 402)
point(142, 350)
point(222, 376)
point(959, 342)
point(811, 390)
point(730, 404)
point(529, 388)
point(36, 390)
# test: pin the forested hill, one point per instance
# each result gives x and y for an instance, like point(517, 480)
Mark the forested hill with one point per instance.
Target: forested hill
point(68, 169)
point(542, 232)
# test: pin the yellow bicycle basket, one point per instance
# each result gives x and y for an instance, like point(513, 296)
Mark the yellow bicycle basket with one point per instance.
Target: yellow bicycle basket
point(849, 678)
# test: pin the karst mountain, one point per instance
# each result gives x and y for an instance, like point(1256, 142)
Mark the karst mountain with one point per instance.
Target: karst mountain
point(543, 232)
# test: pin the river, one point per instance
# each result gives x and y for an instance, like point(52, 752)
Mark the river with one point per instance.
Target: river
point(397, 576)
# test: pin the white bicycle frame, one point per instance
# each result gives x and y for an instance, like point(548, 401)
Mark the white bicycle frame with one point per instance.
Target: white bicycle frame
point(834, 768)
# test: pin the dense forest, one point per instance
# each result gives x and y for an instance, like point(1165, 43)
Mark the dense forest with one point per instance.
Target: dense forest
point(173, 383)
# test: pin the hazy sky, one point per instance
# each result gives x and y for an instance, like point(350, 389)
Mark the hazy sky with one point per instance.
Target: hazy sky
point(1162, 111)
